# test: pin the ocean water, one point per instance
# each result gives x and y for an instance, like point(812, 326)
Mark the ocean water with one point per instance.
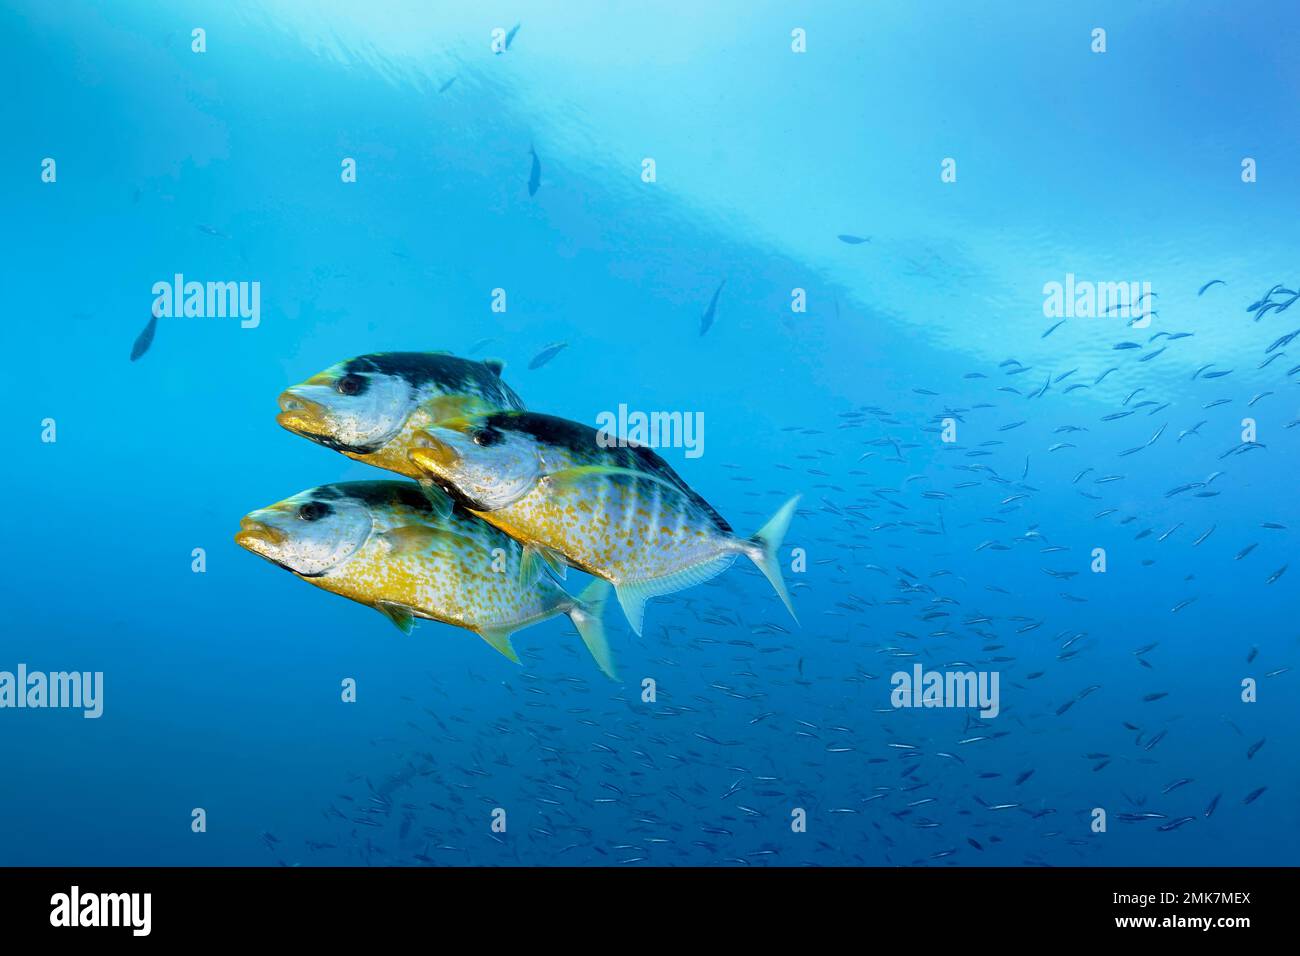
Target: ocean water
point(766, 742)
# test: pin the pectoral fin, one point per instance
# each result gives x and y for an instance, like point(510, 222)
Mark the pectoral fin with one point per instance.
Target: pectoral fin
point(420, 539)
point(445, 407)
point(401, 616)
point(583, 473)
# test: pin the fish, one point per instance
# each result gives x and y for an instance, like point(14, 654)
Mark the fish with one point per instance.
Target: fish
point(446, 86)
point(546, 354)
point(510, 38)
point(535, 173)
point(1201, 290)
point(145, 338)
point(852, 240)
point(572, 494)
point(382, 544)
point(706, 320)
point(368, 408)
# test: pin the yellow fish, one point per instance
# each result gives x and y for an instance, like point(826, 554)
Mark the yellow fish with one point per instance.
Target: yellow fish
point(381, 544)
point(369, 407)
point(577, 496)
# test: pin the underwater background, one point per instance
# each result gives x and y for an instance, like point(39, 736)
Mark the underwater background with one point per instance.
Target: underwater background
point(222, 688)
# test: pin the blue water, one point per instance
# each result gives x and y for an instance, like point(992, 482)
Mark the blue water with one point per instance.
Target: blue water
point(222, 688)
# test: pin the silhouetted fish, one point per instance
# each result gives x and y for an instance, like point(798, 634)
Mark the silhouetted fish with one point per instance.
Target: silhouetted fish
point(546, 354)
point(706, 320)
point(535, 174)
point(144, 339)
point(510, 38)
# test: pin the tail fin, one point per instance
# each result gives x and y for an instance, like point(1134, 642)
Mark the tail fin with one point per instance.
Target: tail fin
point(586, 615)
point(768, 540)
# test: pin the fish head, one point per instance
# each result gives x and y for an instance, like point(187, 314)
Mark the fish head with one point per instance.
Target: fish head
point(355, 407)
point(478, 460)
point(310, 534)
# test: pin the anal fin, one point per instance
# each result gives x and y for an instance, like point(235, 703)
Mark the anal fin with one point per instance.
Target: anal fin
point(632, 595)
point(499, 638)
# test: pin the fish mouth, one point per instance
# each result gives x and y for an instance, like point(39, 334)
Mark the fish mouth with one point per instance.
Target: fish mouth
point(310, 419)
point(301, 415)
point(256, 536)
point(432, 454)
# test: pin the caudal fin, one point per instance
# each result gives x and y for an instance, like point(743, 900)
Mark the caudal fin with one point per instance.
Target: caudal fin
point(586, 615)
point(768, 543)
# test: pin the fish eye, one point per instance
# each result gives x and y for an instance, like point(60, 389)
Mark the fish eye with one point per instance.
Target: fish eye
point(351, 384)
point(486, 437)
point(313, 511)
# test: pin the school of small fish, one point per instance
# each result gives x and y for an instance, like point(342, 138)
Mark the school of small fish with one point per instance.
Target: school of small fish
point(686, 776)
point(497, 503)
